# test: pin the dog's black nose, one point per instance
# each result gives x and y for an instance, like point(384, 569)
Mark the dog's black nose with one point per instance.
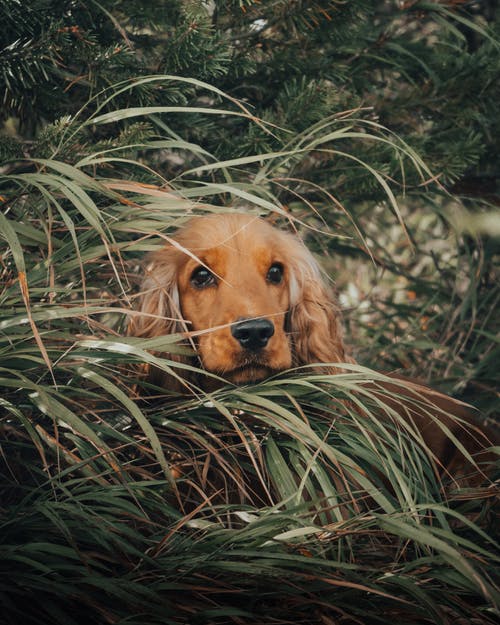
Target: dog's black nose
point(252, 334)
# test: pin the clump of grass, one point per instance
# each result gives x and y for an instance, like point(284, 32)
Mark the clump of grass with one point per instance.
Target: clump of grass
point(270, 504)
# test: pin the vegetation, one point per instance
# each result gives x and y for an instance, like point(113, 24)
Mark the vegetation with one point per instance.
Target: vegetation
point(274, 503)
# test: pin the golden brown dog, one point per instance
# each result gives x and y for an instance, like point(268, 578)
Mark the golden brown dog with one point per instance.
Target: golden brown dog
point(254, 301)
point(255, 289)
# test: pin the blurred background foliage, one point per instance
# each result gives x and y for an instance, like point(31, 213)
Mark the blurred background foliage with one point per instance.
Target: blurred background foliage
point(372, 129)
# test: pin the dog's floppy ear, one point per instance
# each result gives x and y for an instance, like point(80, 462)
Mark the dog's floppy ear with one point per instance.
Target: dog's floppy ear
point(158, 302)
point(314, 319)
point(158, 310)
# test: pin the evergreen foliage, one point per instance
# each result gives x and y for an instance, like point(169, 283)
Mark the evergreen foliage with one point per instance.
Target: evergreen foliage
point(423, 69)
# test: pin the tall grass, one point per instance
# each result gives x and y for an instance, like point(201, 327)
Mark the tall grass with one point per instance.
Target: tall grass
point(273, 503)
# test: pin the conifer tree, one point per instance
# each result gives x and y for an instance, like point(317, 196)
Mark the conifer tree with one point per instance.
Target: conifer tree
point(428, 71)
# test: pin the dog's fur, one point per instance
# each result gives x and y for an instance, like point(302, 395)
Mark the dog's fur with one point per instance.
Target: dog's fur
point(236, 254)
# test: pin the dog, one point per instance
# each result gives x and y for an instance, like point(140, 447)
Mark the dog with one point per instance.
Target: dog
point(254, 303)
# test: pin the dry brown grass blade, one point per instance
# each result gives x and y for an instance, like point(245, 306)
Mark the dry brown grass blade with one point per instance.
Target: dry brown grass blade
point(23, 283)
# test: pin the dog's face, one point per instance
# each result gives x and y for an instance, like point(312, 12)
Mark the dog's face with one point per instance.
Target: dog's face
point(249, 296)
point(236, 288)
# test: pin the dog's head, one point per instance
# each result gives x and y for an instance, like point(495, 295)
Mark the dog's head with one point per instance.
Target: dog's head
point(251, 297)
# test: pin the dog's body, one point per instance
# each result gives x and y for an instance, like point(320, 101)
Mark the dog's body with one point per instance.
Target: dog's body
point(253, 300)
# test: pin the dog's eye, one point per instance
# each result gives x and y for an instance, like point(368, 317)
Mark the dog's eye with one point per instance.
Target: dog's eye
point(275, 273)
point(202, 277)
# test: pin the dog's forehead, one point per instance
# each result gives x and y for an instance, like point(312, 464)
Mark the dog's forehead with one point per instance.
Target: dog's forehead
point(238, 234)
